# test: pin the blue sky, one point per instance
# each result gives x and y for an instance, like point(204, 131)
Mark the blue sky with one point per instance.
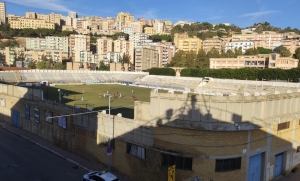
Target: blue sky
point(242, 13)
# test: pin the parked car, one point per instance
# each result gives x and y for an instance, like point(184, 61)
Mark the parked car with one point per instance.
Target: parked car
point(99, 176)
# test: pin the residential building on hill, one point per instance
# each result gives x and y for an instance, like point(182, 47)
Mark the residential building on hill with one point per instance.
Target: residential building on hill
point(239, 44)
point(22, 23)
point(185, 43)
point(146, 57)
point(2, 12)
point(210, 43)
point(78, 43)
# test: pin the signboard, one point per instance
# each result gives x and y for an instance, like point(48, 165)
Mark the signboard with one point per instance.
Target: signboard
point(48, 116)
point(109, 151)
point(171, 173)
point(27, 111)
point(62, 121)
point(36, 114)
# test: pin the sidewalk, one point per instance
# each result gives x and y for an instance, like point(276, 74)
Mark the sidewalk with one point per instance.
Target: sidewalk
point(76, 160)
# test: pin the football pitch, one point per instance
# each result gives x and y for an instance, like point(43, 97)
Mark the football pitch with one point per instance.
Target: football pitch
point(92, 96)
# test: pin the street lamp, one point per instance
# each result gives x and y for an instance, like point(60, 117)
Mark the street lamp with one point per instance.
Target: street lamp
point(108, 154)
point(59, 96)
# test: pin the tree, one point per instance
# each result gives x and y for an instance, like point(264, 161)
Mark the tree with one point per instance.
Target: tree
point(230, 54)
point(58, 66)
point(213, 53)
point(238, 51)
point(202, 60)
point(284, 52)
point(43, 65)
point(262, 50)
point(297, 55)
point(178, 60)
point(31, 65)
point(251, 51)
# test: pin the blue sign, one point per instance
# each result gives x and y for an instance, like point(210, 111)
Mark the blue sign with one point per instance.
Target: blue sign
point(109, 150)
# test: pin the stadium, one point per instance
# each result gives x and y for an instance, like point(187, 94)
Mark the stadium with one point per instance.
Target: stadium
point(212, 129)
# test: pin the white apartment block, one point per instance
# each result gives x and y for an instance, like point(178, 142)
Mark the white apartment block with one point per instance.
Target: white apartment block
point(158, 27)
point(59, 43)
point(2, 12)
point(128, 30)
point(138, 38)
point(85, 56)
point(36, 44)
point(236, 45)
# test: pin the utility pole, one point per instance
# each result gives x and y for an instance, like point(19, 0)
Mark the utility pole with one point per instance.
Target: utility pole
point(108, 153)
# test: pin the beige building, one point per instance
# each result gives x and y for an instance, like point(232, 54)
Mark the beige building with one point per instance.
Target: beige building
point(67, 28)
point(22, 23)
point(244, 37)
point(146, 57)
point(40, 55)
point(123, 46)
point(11, 17)
point(86, 56)
point(273, 60)
point(80, 66)
point(78, 43)
point(11, 53)
point(185, 43)
point(273, 40)
point(291, 44)
point(210, 43)
point(158, 26)
point(127, 67)
point(136, 25)
point(2, 12)
point(149, 30)
point(122, 19)
point(104, 46)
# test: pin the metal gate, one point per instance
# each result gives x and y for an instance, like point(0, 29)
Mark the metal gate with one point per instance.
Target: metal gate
point(278, 165)
point(16, 119)
point(254, 168)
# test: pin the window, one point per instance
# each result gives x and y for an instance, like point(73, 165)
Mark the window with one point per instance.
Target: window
point(136, 151)
point(283, 126)
point(230, 164)
point(298, 149)
point(183, 163)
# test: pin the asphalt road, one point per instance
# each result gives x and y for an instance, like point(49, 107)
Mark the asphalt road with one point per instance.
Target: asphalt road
point(24, 160)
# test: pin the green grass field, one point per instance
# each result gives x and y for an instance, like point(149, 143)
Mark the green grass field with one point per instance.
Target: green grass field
point(91, 97)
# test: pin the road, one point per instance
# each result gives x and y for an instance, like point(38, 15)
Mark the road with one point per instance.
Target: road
point(23, 160)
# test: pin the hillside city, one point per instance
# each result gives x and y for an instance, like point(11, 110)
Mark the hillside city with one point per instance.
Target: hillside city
point(123, 43)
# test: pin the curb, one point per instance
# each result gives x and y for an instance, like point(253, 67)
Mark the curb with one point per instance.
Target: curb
point(48, 149)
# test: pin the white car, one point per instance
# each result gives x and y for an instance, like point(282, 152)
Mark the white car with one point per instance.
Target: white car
point(99, 176)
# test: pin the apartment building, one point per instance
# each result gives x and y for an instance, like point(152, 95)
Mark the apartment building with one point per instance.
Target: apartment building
point(50, 18)
point(149, 31)
point(10, 17)
point(104, 46)
point(239, 44)
point(185, 43)
point(244, 37)
point(139, 38)
point(40, 55)
point(2, 12)
point(85, 56)
point(273, 60)
point(146, 57)
point(107, 24)
point(210, 43)
point(73, 14)
point(122, 46)
point(58, 43)
point(36, 44)
point(128, 30)
point(11, 53)
point(291, 44)
point(22, 23)
point(158, 27)
point(136, 25)
point(123, 18)
point(67, 28)
point(78, 43)
point(273, 40)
